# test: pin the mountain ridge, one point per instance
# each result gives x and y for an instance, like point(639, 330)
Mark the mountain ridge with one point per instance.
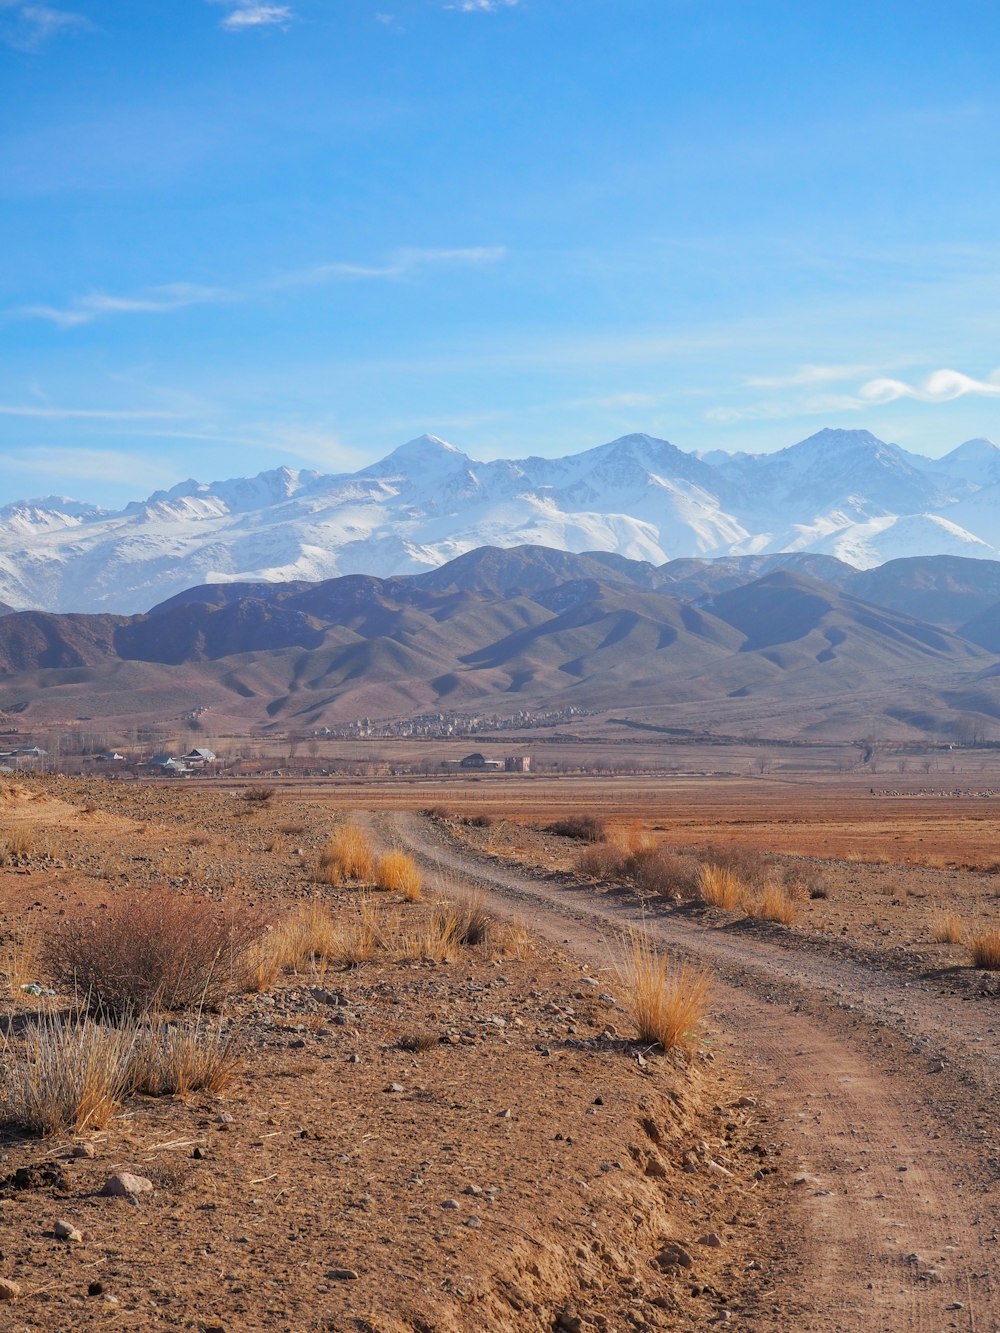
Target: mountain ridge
point(842, 494)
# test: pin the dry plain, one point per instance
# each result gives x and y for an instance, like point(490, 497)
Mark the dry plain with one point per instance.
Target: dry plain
point(844, 1080)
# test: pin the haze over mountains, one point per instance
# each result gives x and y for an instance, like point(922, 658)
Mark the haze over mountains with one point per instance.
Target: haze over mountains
point(784, 645)
point(840, 494)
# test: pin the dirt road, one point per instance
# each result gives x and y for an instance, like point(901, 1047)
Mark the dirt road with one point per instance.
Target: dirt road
point(885, 1088)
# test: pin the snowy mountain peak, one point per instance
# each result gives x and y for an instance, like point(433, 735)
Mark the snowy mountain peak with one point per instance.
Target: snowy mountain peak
point(842, 492)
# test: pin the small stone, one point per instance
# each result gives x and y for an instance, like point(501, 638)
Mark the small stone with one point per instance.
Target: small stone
point(450, 1203)
point(747, 1101)
point(504, 1114)
point(297, 1044)
point(82, 1150)
point(955, 1305)
point(224, 1119)
point(674, 1255)
point(67, 1231)
point(342, 1275)
point(655, 1169)
point(126, 1186)
point(713, 1240)
point(9, 1290)
point(473, 1223)
point(394, 1087)
point(473, 1189)
point(588, 981)
point(200, 1153)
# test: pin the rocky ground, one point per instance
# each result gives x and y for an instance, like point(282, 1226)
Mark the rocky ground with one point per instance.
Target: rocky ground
point(406, 1146)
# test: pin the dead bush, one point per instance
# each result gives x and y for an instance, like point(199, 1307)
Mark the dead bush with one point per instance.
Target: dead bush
point(751, 867)
point(657, 871)
point(472, 920)
point(417, 1042)
point(156, 951)
point(259, 794)
point(774, 903)
point(603, 860)
point(584, 828)
point(479, 821)
point(665, 1001)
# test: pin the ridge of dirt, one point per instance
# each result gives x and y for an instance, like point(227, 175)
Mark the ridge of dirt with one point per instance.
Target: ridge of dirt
point(895, 1219)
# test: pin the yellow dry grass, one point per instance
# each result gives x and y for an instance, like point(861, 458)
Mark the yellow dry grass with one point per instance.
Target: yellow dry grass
point(666, 1001)
point(347, 856)
point(720, 887)
point(20, 957)
point(948, 928)
point(984, 948)
point(398, 873)
point(175, 1060)
point(773, 904)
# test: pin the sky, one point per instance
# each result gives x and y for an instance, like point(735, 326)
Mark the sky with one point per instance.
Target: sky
point(239, 235)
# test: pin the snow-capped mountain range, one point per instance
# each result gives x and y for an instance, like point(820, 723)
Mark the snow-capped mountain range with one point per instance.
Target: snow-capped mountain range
point(841, 492)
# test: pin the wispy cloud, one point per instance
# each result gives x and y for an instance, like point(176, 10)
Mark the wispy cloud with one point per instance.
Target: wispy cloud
point(47, 413)
point(807, 375)
point(400, 264)
point(941, 386)
point(482, 6)
point(27, 27)
point(250, 14)
point(154, 300)
point(181, 295)
point(90, 465)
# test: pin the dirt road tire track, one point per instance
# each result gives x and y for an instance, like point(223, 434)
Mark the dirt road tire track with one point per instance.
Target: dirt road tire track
point(894, 1226)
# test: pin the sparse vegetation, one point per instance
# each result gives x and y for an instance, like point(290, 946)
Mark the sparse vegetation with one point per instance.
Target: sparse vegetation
point(948, 928)
point(720, 886)
point(175, 1060)
point(585, 828)
point(774, 903)
point(984, 948)
point(471, 920)
point(398, 873)
point(155, 951)
point(665, 1001)
point(417, 1042)
point(347, 856)
point(20, 956)
point(259, 793)
point(69, 1076)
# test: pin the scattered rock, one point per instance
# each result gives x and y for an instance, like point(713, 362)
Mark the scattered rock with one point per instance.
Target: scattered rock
point(67, 1231)
point(450, 1203)
point(394, 1087)
point(82, 1150)
point(9, 1290)
point(342, 1275)
point(656, 1169)
point(713, 1240)
point(127, 1186)
point(747, 1101)
point(473, 1189)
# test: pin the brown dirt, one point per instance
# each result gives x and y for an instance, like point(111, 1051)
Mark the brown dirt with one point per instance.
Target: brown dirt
point(561, 1142)
point(884, 1082)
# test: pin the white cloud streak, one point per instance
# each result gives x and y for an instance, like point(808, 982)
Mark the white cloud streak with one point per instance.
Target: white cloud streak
point(807, 375)
point(90, 465)
point(181, 295)
point(41, 413)
point(245, 14)
point(482, 6)
point(941, 386)
point(29, 27)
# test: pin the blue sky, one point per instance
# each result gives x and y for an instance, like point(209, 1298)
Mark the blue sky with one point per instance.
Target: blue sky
point(241, 234)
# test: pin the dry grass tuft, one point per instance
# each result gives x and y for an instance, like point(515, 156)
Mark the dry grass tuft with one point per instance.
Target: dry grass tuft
point(666, 1002)
point(984, 947)
point(20, 957)
point(417, 1042)
point(347, 856)
point(720, 887)
point(172, 1060)
point(398, 873)
point(69, 1077)
point(773, 904)
point(259, 794)
point(157, 951)
point(948, 928)
point(471, 920)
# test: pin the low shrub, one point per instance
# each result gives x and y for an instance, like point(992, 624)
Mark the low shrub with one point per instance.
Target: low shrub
point(479, 821)
point(773, 904)
point(471, 920)
point(665, 1001)
point(585, 828)
point(156, 951)
point(751, 867)
point(417, 1042)
point(259, 794)
point(603, 860)
point(658, 871)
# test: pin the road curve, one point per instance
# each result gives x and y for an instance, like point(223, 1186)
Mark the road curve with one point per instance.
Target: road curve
point(884, 1091)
